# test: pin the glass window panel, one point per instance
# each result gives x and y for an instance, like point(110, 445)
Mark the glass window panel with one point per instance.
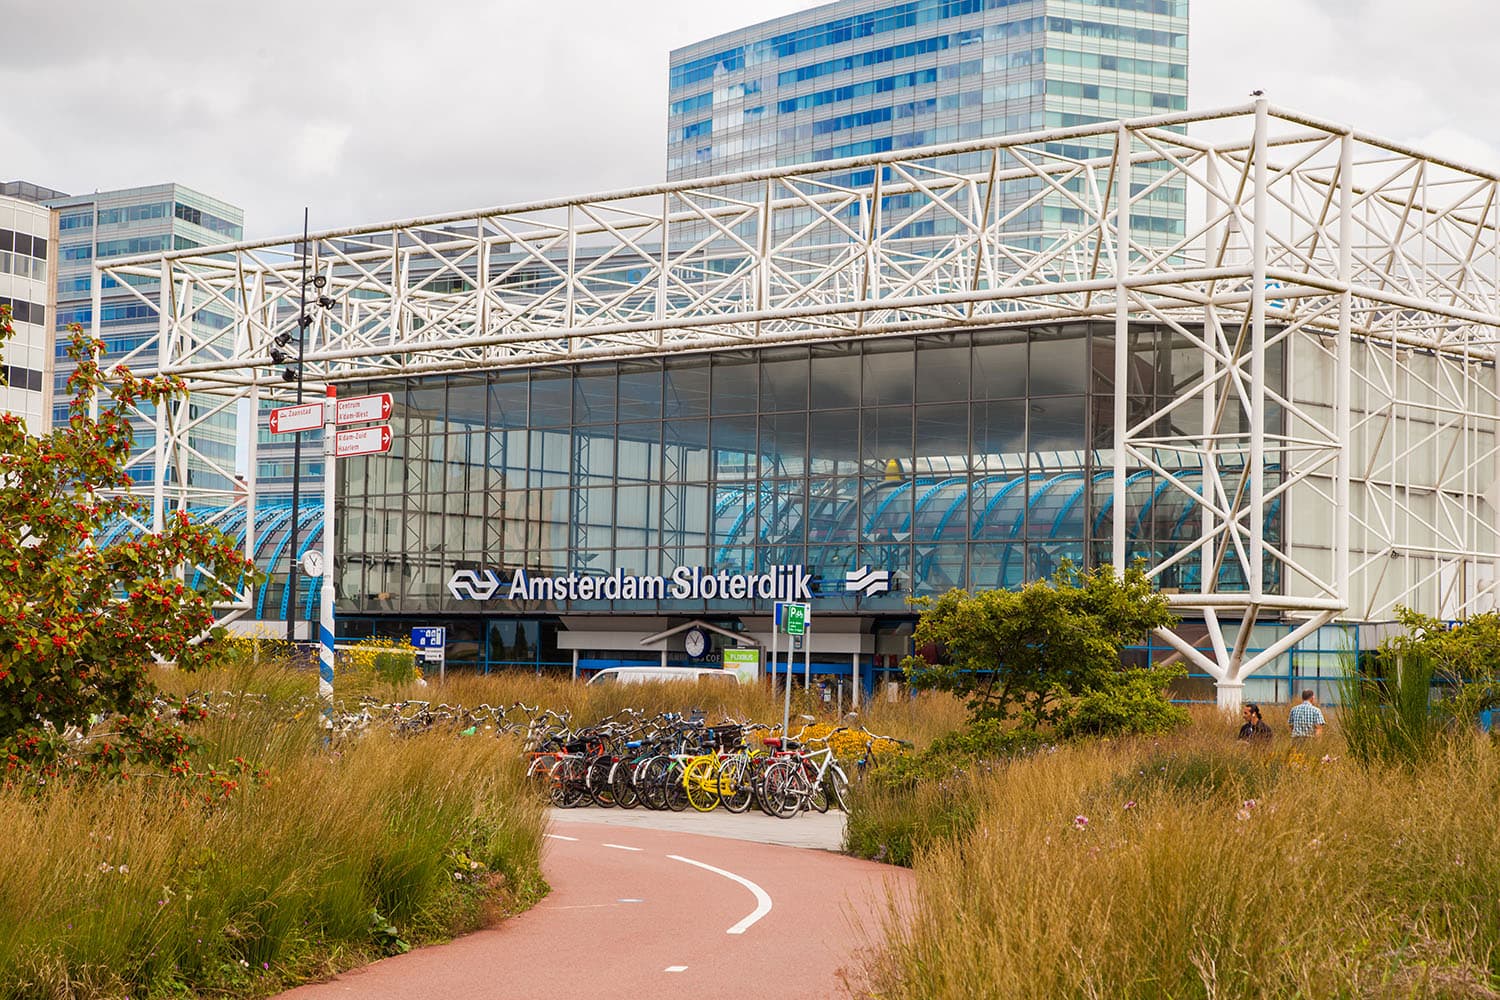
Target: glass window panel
point(997, 566)
point(885, 511)
point(685, 388)
point(1059, 365)
point(640, 452)
point(551, 397)
point(1057, 431)
point(943, 369)
point(835, 377)
point(424, 407)
point(833, 442)
point(685, 454)
point(594, 394)
point(783, 379)
point(735, 383)
point(783, 505)
point(640, 390)
point(783, 443)
point(508, 399)
point(889, 372)
point(937, 569)
point(734, 447)
point(999, 364)
point(833, 509)
point(594, 454)
point(885, 440)
point(466, 403)
point(999, 436)
point(942, 438)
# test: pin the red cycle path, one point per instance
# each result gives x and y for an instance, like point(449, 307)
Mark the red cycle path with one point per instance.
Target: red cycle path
point(641, 924)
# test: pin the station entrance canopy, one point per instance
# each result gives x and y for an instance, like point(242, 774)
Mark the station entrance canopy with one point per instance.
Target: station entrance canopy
point(1370, 266)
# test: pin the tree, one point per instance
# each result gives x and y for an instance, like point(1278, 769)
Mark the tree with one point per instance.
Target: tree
point(81, 623)
point(1024, 650)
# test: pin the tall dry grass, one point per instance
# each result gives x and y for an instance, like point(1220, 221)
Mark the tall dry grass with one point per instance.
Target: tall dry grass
point(139, 888)
point(1143, 870)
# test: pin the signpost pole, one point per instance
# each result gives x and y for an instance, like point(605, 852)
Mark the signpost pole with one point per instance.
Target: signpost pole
point(807, 658)
point(325, 618)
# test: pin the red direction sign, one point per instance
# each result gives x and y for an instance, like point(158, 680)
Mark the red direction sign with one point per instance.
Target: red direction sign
point(363, 409)
point(290, 419)
point(362, 441)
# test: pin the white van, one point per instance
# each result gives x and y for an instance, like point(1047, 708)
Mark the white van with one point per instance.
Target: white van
point(645, 675)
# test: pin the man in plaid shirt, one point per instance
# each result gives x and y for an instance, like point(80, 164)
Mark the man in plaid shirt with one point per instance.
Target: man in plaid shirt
point(1306, 718)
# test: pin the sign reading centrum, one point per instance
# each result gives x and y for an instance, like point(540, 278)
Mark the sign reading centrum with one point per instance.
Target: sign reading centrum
point(685, 583)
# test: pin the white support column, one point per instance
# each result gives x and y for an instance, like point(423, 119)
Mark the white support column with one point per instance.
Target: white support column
point(162, 420)
point(1122, 344)
point(1257, 458)
point(854, 695)
point(1343, 375)
point(575, 664)
point(1214, 240)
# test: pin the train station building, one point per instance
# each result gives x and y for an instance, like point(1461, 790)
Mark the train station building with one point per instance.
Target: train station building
point(623, 426)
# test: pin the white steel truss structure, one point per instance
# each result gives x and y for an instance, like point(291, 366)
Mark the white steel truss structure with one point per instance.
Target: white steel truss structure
point(1368, 272)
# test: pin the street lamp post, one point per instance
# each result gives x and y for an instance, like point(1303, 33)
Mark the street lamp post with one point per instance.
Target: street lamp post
point(296, 372)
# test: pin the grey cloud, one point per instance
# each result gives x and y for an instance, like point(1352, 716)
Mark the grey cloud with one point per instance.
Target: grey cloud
point(375, 110)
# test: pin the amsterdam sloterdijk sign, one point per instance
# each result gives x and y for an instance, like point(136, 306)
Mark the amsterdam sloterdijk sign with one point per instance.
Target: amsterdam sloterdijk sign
point(685, 583)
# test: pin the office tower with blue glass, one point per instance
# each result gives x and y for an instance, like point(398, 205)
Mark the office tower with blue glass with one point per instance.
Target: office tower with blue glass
point(857, 77)
point(136, 221)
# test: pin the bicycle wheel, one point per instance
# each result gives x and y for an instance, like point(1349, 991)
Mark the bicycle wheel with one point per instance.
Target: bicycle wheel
point(626, 796)
point(674, 787)
point(701, 783)
point(784, 788)
point(596, 778)
point(567, 783)
point(651, 782)
point(838, 786)
point(736, 786)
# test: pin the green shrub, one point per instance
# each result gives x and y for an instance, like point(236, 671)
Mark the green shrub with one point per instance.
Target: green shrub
point(1130, 702)
point(985, 741)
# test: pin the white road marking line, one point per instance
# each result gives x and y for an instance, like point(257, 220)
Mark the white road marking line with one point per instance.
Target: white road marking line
point(630, 901)
point(675, 968)
point(558, 836)
point(621, 847)
point(762, 898)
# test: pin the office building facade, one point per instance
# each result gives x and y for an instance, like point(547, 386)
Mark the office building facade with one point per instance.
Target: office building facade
point(861, 77)
point(132, 221)
point(28, 245)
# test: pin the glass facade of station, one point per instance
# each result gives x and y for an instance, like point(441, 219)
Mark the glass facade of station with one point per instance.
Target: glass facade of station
point(967, 459)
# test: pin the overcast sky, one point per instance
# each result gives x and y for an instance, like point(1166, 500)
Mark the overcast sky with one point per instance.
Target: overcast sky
point(375, 110)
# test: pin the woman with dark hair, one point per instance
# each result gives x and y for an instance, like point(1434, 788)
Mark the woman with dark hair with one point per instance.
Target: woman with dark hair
point(1255, 728)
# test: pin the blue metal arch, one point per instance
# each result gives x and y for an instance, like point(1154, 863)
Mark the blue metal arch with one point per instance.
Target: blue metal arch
point(1003, 492)
point(1072, 501)
point(891, 495)
point(307, 581)
point(1018, 527)
point(965, 497)
point(925, 497)
point(236, 520)
point(304, 517)
point(1108, 505)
